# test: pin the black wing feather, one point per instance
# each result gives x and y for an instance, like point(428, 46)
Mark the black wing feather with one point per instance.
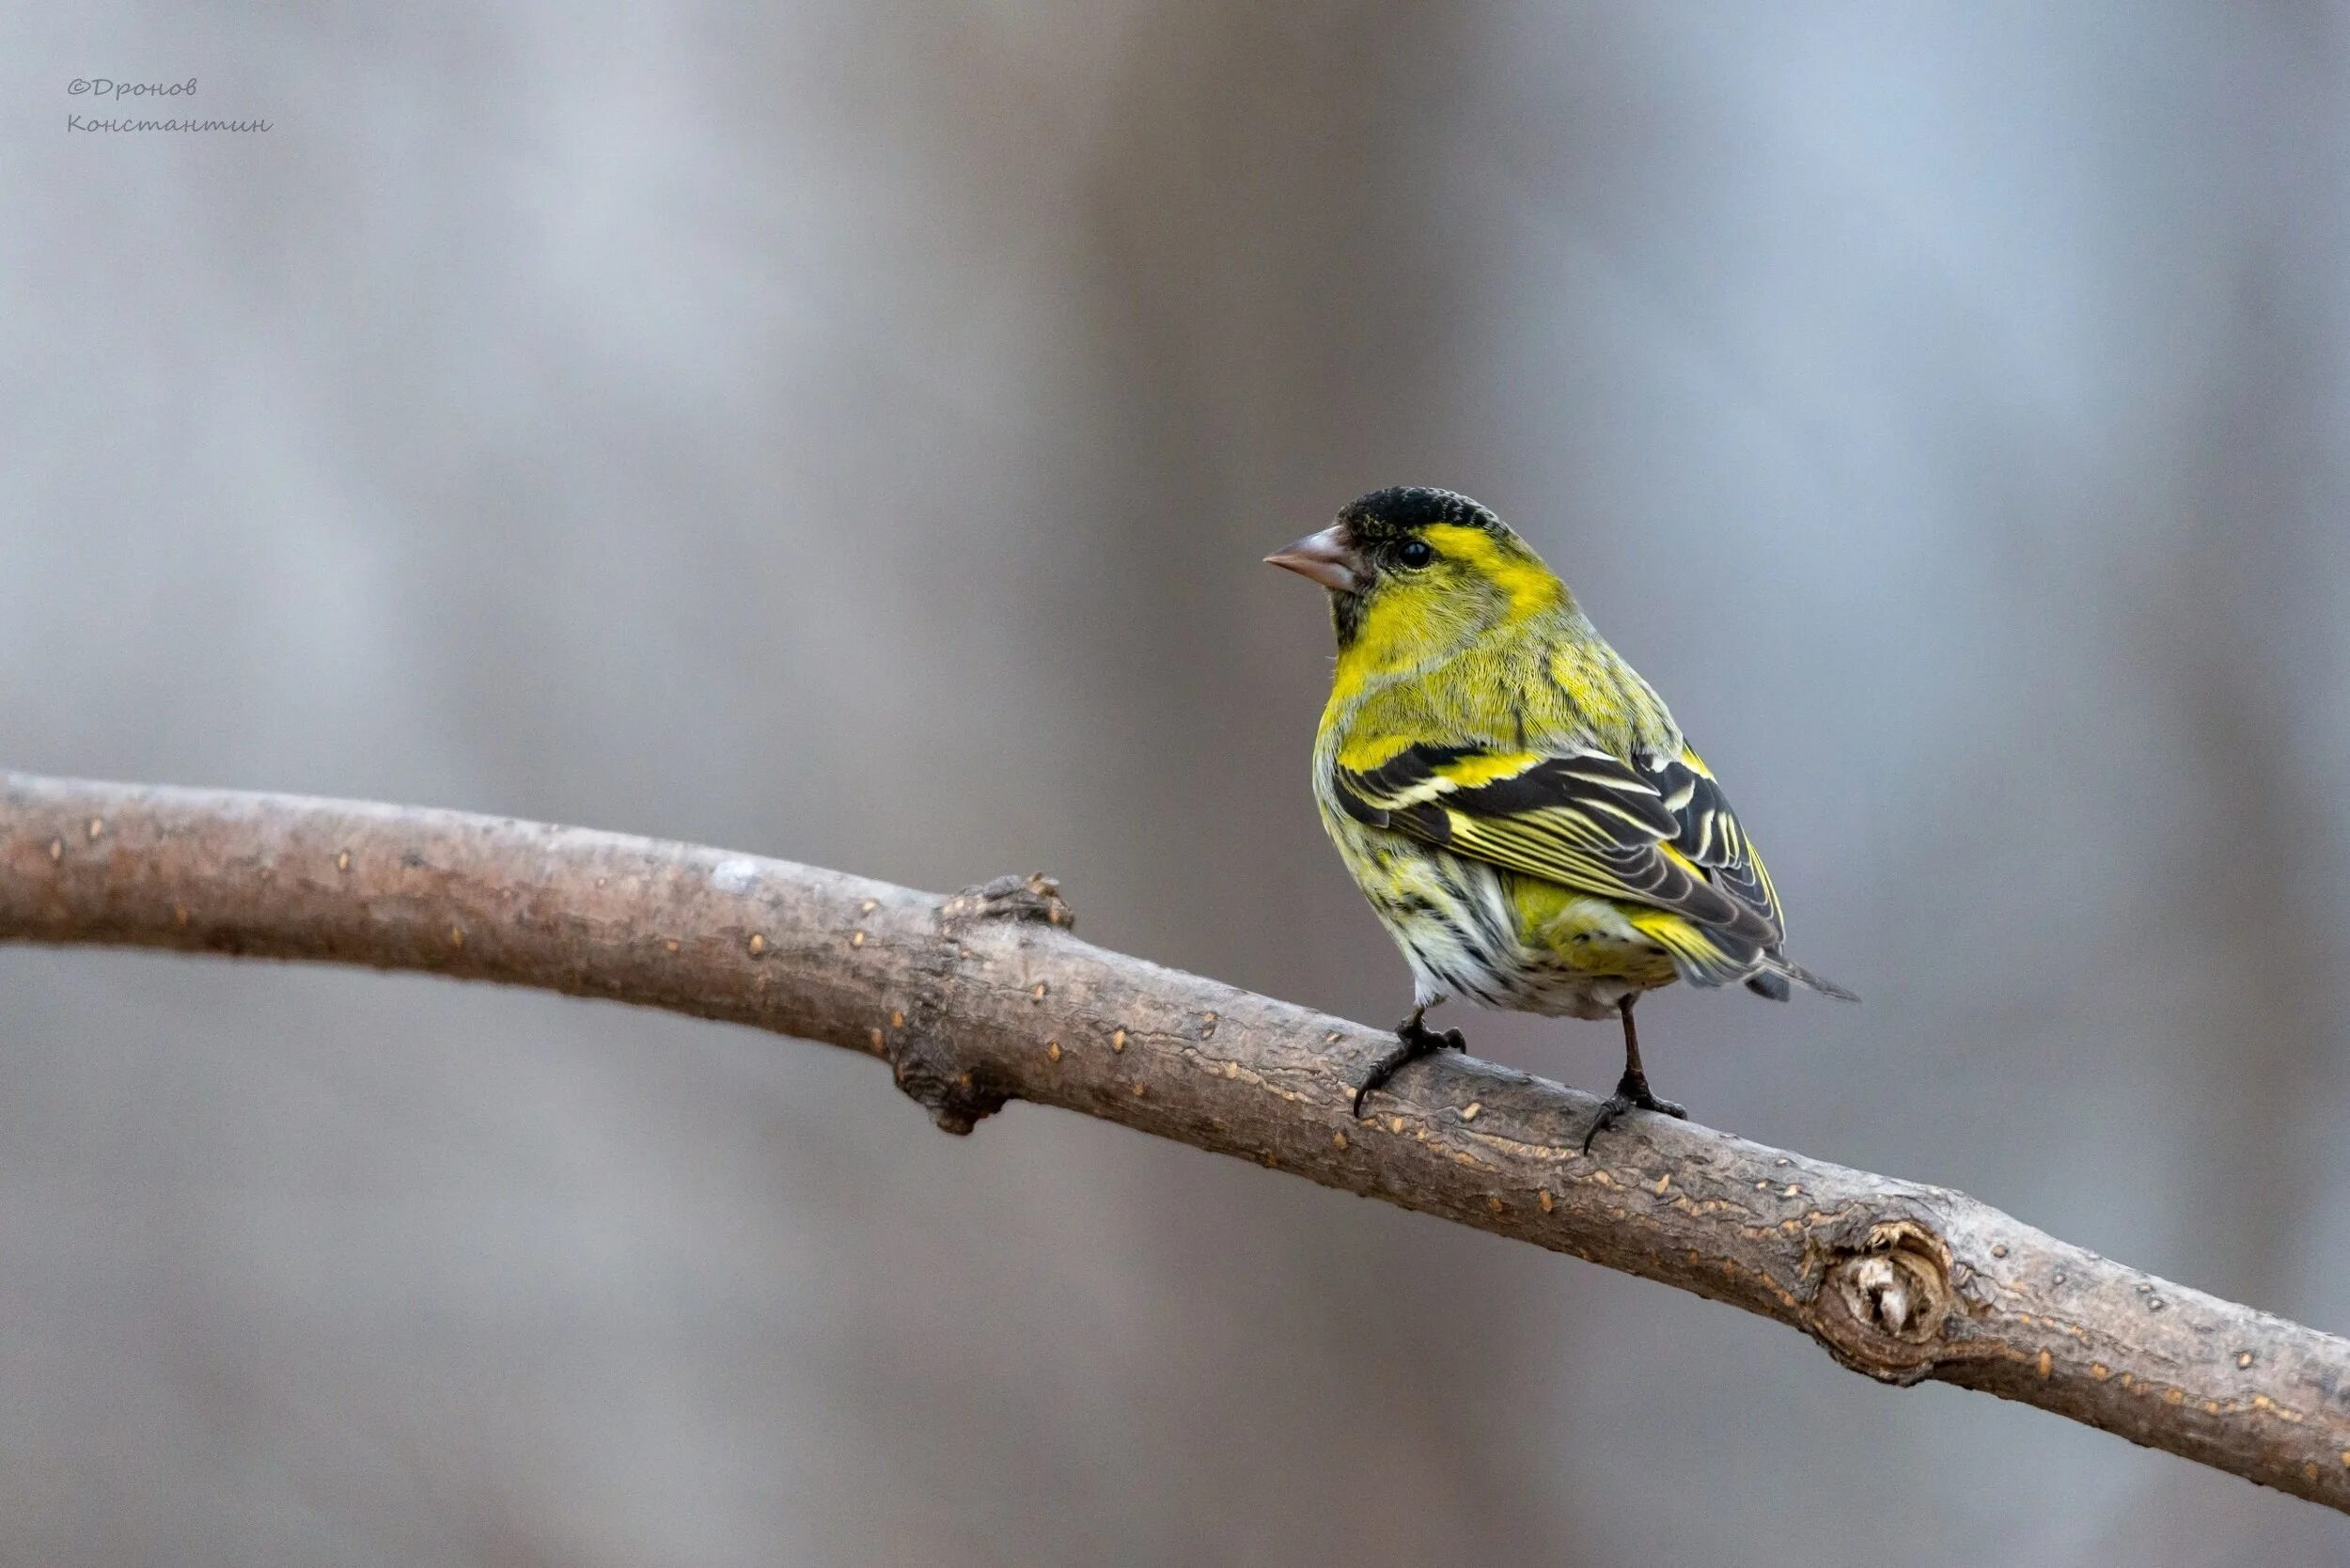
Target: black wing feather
point(1659, 835)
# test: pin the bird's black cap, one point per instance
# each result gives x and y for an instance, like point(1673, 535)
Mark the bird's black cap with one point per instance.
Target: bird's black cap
point(1407, 507)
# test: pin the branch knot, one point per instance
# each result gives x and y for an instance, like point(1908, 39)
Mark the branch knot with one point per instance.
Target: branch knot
point(926, 1066)
point(1034, 897)
point(1882, 1303)
point(933, 1080)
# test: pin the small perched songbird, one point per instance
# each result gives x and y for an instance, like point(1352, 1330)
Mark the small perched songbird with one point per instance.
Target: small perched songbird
point(1516, 803)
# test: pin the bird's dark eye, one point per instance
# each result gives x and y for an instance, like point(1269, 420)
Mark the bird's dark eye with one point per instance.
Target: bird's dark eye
point(1416, 553)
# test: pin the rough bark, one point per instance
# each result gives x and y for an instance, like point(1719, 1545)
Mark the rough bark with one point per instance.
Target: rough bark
point(986, 996)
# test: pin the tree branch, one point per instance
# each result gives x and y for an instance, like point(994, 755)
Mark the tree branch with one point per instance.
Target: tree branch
point(985, 998)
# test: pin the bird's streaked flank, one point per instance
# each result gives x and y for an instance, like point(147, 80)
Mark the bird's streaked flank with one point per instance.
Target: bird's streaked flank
point(1516, 801)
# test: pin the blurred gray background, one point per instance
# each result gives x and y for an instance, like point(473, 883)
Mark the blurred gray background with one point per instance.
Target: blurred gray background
point(848, 432)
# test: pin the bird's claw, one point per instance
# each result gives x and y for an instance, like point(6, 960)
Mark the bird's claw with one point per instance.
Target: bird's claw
point(1413, 1041)
point(1629, 1097)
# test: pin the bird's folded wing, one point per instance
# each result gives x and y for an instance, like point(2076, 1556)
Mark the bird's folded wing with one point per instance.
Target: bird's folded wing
point(1659, 835)
point(1710, 836)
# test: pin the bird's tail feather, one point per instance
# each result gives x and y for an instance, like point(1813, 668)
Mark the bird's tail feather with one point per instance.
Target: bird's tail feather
point(1777, 969)
point(1707, 956)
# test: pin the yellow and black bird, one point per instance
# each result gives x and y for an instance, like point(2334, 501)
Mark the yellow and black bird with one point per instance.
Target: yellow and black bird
point(1516, 801)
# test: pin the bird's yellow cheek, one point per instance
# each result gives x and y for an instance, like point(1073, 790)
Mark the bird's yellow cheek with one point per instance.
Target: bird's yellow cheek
point(1411, 622)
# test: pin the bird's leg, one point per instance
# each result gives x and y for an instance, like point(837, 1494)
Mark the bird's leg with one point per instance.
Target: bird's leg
point(1632, 1090)
point(1413, 1041)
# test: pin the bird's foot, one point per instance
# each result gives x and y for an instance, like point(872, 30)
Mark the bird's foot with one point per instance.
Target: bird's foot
point(1413, 1041)
point(1632, 1093)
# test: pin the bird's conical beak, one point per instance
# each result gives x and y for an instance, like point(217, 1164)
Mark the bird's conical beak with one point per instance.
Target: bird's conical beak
point(1328, 558)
